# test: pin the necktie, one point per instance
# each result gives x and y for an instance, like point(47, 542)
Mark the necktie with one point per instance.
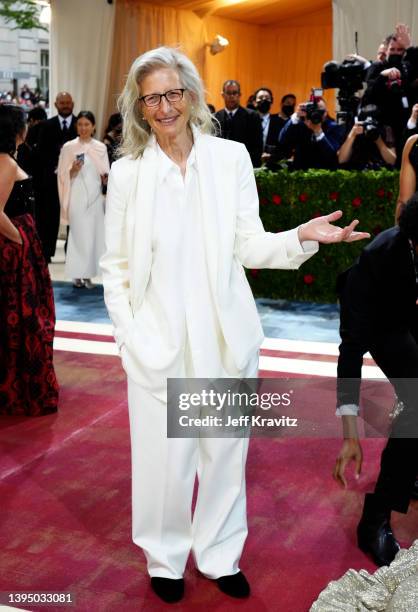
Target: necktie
point(65, 130)
point(228, 125)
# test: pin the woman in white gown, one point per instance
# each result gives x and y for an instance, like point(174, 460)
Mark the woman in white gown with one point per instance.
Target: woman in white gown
point(82, 170)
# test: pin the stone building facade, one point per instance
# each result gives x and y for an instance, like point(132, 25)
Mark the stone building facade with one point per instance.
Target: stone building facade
point(24, 58)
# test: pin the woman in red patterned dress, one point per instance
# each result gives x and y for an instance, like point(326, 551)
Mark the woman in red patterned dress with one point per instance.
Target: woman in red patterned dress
point(28, 385)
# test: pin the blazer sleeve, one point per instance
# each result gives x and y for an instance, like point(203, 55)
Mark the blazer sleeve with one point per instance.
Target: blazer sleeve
point(65, 162)
point(114, 263)
point(254, 247)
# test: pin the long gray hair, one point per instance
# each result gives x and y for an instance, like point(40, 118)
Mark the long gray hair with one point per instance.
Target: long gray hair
point(136, 131)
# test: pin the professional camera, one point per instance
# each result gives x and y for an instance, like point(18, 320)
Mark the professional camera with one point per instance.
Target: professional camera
point(369, 119)
point(348, 77)
point(313, 112)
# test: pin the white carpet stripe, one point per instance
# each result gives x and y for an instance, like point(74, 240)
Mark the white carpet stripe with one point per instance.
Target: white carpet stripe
point(275, 344)
point(102, 329)
point(74, 345)
point(301, 346)
point(270, 364)
point(310, 368)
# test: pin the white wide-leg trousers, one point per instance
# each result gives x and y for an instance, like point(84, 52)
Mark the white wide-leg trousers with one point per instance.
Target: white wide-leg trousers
point(163, 476)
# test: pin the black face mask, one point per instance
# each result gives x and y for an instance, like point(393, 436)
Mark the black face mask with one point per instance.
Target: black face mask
point(288, 109)
point(264, 106)
point(394, 61)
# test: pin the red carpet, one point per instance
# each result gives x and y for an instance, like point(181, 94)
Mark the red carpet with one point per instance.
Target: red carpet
point(65, 508)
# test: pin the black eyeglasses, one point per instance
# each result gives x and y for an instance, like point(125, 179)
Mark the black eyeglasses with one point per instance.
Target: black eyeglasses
point(173, 95)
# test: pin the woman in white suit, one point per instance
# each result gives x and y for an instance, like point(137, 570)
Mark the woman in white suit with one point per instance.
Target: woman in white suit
point(181, 221)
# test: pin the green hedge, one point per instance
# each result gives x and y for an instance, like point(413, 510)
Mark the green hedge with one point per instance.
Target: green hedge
point(290, 198)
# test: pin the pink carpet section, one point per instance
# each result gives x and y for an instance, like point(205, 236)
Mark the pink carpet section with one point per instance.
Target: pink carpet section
point(65, 508)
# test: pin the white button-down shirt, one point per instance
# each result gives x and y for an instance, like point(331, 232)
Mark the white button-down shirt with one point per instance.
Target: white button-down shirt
point(265, 123)
point(178, 299)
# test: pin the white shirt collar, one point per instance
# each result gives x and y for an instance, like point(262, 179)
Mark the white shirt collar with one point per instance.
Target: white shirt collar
point(167, 165)
point(67, 120)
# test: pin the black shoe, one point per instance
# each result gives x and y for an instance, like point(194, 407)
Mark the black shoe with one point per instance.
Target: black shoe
point(414, 494)
point(374, 533)
point(169, 590)
point(235, 585)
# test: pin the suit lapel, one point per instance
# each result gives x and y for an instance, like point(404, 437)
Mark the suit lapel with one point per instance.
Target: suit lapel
point(140, 218)
point(72, 126)
point(209, 199)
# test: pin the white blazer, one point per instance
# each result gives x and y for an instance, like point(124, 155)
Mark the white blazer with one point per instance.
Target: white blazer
point(233, 232)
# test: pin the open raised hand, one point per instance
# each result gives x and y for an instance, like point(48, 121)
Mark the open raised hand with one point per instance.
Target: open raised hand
point(403, 35)
point(322, 230)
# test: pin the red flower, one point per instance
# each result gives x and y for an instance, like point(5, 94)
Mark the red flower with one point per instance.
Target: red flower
point(317, 213)
point(376, 230)
point(334, 195)
point(263, 201)
point(303, 197)
point(380, 192)
point(356, 202)
point(308, 279)
point(276, 199)
point(254, 273)
point(389, 195)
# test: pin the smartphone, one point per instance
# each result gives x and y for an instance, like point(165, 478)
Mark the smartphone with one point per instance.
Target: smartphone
point(80, 157)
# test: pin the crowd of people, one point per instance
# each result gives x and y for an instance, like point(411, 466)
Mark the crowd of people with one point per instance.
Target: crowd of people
point(300, 136)
point(69, 167)
point(27, 98)
point(171, 248)
point(371, 136)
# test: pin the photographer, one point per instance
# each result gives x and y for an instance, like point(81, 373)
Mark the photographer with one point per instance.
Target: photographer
point(390, 84)
point(369, 145)
point(313, 137)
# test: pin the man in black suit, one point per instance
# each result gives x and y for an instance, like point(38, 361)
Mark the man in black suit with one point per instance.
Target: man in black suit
point(378, 299)
point(240, 124)
point(52, 135)
point(271, 126)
